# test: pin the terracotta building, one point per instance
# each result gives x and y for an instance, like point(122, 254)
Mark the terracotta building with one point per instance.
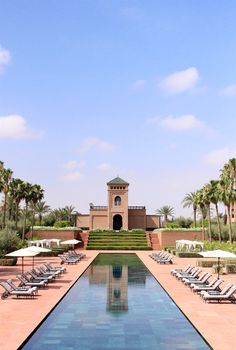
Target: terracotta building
point(117, 214)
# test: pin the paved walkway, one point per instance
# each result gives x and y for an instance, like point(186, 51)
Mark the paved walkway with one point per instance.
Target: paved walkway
point(216, 322)
point(19, 317)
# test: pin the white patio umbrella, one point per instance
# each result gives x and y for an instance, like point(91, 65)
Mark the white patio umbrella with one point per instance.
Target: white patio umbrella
point(217, 254)
point(21, 253)
point(71, 242)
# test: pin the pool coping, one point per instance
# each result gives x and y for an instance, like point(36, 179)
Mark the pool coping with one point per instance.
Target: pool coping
point(215, 322)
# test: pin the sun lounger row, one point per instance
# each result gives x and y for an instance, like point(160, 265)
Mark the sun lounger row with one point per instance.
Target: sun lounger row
point(162, 257)
point(199, 283)
point(31, 281)
point(71, 257)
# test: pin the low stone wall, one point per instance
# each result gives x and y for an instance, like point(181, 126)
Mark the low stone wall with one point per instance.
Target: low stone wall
point(169, 237)
point(60, 234)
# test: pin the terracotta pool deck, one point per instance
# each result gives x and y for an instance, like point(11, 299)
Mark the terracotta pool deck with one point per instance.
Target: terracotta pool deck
point(19, 317)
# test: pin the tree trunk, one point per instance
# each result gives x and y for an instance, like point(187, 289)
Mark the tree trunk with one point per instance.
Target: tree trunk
point(4, 211)
point(165, 220)
point(24, 226)
point(195, 217)
point(203, 230)
point(17, 214)
point(40, 219)
point(209, 222)
point(230, 224)
point(218, 221)
point(32, 225)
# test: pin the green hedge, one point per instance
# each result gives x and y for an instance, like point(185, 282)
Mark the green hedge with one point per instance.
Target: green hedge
point(188, 255)
point(8, 261)
point(169, 247)
point(117, 248)
point(119, 232)
point(230, 268)
point(55, 251)
point(210, 263)
point(52, 228)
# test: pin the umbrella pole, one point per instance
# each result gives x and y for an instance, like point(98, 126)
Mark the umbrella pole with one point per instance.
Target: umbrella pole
point(218, 268)
point(22, 265)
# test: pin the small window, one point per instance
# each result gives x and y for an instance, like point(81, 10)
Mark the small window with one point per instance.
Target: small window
point(117, 200)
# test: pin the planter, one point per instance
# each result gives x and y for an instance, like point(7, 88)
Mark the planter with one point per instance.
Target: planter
point(8, 261)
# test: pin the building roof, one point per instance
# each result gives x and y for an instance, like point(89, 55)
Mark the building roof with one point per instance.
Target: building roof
point(117, 181)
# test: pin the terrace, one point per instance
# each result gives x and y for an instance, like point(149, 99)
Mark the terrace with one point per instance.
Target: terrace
point(216, 322)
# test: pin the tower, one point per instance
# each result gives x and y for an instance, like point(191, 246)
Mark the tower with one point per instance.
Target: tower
point(117, 204)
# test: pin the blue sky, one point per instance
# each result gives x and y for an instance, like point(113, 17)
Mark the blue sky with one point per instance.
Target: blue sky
point(94, 89)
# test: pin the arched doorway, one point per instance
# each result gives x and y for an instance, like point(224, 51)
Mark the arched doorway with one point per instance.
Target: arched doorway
point(117, 222)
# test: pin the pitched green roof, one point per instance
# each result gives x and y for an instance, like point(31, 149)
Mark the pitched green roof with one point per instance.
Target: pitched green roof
point(117, 181)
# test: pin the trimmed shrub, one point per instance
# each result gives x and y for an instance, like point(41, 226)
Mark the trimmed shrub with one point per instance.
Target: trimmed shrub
point(187, 255)
point(118, 248)
point(53, 228)
point(8, 241)
point(230, 268)
point(61, 223)
point(206, 263)
point(8, 261)
point(169, 247)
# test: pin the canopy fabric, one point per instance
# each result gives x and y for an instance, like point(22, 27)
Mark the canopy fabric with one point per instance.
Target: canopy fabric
point(23, 252)
point(44, 242)
point(217, 254)
point(188, 244)
point(38, 249)
point(71, 241)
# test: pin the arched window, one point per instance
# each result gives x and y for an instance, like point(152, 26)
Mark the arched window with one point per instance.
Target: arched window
point(117, 200)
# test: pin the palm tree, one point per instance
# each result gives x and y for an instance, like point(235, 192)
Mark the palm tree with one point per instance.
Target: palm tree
point(207, 202)
point(165, 211)
point(37, 195)
point(232, 167)
point(214, 196)
point(5, 178)
point(227, 196)
point(202, 207)
point(17, 192)
point(41, 208)
point(69, 210)
point(190, 200)
point(28, 193)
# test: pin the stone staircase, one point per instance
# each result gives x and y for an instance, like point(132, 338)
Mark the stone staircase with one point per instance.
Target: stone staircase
point(118, 240)
point(154, 241)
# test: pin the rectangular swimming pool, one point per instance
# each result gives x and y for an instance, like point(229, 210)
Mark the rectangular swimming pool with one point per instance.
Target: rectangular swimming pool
point(116, 304)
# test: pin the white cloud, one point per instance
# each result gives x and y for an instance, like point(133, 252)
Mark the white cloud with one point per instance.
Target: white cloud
point(72, 176)
point(104, 167)
point(153, 120)
point(74, 164)
point(184, 122)
point(220, 156)
point(5, 58)
point(138, 84)
point(95, 144)
point(229, 90)
point(15, 127)
point(71, 165)
point(180, 81)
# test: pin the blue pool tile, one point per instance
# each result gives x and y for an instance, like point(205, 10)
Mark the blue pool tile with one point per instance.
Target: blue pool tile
point(109, 311)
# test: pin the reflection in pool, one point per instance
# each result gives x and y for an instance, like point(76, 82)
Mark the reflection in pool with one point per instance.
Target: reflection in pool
point(116, 304)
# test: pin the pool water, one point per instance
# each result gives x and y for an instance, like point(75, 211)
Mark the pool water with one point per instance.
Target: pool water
point(116, 304)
